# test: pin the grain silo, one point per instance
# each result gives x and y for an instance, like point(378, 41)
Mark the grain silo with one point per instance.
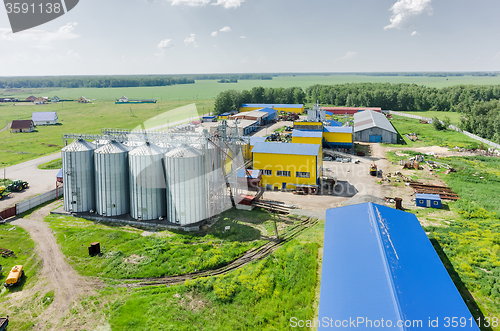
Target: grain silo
point(147, 182)
point(78, 176)
point(187, 198)
point(112, 179)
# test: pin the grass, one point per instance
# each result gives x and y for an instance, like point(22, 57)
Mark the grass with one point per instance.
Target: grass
point(263, 295)
point(85, 118)
point(454, 116)
point(5, 182)
point(19, 241)
point(54, 164)
point(428, 136)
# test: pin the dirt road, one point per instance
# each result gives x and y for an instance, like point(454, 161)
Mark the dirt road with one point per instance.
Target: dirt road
point(56, 273)
point(40, 181)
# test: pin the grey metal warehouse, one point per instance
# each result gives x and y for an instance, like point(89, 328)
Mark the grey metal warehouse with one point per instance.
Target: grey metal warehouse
point(370, 126)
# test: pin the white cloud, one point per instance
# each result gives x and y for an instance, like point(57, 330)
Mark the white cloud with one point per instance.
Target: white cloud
point(192, 3)
point(41, 38)
point(497, 56)
point(191, 40)
point(225, 29)
point(244, 60)
point(348, 55)
point(403, 10)
point(166, 43)
point(243, 37)
point(214, 34)
point(229, 3)
point(415, 33)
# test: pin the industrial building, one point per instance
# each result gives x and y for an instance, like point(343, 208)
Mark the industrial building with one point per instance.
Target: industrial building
point(339, 138)
point(307, 137)
point(349, 110)
point(371, 126)
point(379, 267)
point(293, 108)
point(261, 117)
point(44, 118)
point(288, 166)
point(428, 200)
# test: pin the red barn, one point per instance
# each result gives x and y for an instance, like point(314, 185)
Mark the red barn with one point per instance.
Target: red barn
point(349, 110)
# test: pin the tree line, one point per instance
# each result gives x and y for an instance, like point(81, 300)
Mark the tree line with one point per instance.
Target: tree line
point(91, 81)
point(479, 104)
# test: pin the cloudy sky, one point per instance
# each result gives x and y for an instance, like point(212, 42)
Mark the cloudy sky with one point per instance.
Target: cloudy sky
point(233, 36)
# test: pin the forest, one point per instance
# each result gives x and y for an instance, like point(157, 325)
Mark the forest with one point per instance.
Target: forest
point(91, 81)
point(479, 105)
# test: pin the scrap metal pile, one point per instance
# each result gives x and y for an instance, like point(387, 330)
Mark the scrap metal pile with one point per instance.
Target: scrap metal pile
point(443, 191)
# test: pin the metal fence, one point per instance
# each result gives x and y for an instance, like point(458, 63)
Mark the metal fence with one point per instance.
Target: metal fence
point(473, 136)
point(26, 205)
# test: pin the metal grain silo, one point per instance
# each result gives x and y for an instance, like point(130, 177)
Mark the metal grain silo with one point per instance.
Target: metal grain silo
point(147, 182)
point(78, 176)
point(187, 199)
point(112, 179)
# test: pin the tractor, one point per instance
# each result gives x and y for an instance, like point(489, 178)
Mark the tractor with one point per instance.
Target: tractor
point(17, 185)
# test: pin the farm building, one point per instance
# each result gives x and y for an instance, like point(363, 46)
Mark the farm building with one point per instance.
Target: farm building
point(208, 119)
point(249, 178)
point(40, 101)
point(245, 127)
point(309, 126)
point(428, 200)
point(339, 138)
point(260, 116)
point(83, 99)
point(22, 126)
point(273, 115)
point(379, 268)
point(307, 137)
point(124, 99)
point(44, 118)
point(9, 99)
point(255, 140)
point(55, 98)
point(348, 110)
point(286, 166)
point(299, 109)
point(31, 98)
point(371, 126)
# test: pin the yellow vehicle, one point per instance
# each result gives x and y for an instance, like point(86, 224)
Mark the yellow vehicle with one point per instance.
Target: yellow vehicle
point(15, 276)
point(2, 191)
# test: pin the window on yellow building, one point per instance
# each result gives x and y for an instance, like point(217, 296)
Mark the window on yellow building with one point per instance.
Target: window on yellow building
point(302, 174)
point(267, 172)
point(283, 173)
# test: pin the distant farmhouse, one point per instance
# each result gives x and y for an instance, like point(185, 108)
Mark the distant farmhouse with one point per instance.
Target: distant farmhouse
point(41, 101)
point(124, 99)
point(44, 118)
point(31, 98)
point(83, 99)
point(55, 99)
point(9, 100)
point(22, 126)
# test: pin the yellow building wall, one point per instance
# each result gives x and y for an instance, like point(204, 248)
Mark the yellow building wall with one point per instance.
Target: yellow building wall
point(291, 110)
point(247, 109)
point(292, 163)
point(338, 137)
point(307, 140)
point(308, 124)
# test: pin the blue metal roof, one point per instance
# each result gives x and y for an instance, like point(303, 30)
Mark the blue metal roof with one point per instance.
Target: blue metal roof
point(254, 140)
point(427, 196)
point(307, 134)
point(284, 148)
point(334, 123)
point(270, 111)
point(44, 116)
point(254, 174)
point(60, 174)
point(338, 129)
point(263, 105)
point(225, 114)
point(208, 117)
point(379, 264)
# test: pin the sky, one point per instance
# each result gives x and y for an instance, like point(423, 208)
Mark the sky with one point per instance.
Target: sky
point(118, 37)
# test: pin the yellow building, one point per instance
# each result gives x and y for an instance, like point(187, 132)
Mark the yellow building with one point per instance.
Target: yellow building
point(310, 126)
point(307, 137)
point(299, 108)
point(339, 138)
point(288, 165)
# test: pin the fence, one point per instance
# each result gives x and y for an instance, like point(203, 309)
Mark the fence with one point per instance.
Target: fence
point(24, 206)
point(9, 212)
point(473, 136)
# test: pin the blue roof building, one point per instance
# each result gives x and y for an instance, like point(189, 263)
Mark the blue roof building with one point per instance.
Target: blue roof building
point(272, 113)
point(379, 268)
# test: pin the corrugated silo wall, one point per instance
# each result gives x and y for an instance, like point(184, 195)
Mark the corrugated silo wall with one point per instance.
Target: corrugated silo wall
point(112, 184)
point(78, 181)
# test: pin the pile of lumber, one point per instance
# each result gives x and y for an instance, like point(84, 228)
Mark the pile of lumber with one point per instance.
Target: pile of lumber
point(443, 191)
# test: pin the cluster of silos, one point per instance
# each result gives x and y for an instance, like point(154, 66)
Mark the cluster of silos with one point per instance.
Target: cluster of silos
point(78, 176)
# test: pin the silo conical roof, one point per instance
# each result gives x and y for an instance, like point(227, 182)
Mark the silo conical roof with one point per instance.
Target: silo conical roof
point(79, 145)
point(113, 147)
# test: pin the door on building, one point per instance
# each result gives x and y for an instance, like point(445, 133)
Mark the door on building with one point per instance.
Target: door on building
point(428, 203)
point(284, 186)
point(375, 138)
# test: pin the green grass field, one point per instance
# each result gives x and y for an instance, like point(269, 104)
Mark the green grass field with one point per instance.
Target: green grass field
point(208, 89)
point(454, 116)
point(86, 118)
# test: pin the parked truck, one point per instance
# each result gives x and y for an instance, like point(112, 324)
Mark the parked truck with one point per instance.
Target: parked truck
point(15, 276)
